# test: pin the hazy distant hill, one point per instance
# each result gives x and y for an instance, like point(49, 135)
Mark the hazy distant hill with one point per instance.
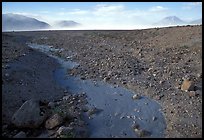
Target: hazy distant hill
point(19, 22)
point(198, 21)
point(171, 20)
point(67, 23)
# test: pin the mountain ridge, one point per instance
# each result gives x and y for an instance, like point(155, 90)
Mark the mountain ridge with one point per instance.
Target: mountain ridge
point(20, 22)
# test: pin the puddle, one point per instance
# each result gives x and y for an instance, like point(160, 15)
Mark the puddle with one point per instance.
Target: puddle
point(118, 110)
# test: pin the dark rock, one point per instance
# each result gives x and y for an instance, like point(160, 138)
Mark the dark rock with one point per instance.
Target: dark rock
point(53, 121)
point(28, 115)
point(143, 133)
point(81, 132)
point(64, 130)
point(94, 111)
point(51, 104)
point(20, 135)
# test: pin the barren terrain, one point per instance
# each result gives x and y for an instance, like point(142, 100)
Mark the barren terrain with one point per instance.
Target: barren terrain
point(151, 62)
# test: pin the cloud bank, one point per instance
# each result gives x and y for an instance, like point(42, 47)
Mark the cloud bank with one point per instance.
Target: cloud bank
point(109, 16)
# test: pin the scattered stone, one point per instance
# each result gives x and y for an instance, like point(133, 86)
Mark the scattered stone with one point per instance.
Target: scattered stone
point(136, 96)
point(4, 127)
point(64, 130)
point(66, 97)
point(159, 97)
point(187, 85)
point(7, 66)
point(20, 135)
point(83, 78)
point(65, 91)
point(192, 93)
point(28, 115)
point(154, 118)
point(93, 110)
point(81, 132)
point(161, 82)
point(199, 75)
point(136, 127)
point(106, 79)
point(53, 121)
point(7, 75)
point(51, 104)
point(143, 133)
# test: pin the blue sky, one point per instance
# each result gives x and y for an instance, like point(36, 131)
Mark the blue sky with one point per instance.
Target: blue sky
point(107, 14)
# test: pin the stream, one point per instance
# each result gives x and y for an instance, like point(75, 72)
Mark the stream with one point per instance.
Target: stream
point(119, 112)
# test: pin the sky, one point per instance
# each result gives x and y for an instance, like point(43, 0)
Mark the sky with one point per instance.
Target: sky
point(121, 15)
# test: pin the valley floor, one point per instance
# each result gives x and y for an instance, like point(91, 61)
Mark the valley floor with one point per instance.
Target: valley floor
point(152, 62)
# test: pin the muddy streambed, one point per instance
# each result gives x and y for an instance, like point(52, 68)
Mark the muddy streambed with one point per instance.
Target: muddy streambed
point(117, 113)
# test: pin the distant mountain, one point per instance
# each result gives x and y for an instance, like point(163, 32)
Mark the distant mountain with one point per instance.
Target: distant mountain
point(67, 23)
point(198, 21)
point(171, 20)
point(14, 22)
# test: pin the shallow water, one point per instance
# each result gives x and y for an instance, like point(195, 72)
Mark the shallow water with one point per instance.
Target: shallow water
point(119, 110)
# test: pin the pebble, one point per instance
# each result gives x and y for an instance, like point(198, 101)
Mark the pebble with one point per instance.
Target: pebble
point(66, 97)
point(7, 66)
point(71, 102)
point(51, 104)
point(20, 135)
point(64, 130)
point(65, 91)
point(7, 75)
point(53, 121)
point(192, 93)
point(154, 118)
point(136, 96)
point(144, 133)
point(187, 85)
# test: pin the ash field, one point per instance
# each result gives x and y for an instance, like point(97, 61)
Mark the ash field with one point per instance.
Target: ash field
point(103, 83)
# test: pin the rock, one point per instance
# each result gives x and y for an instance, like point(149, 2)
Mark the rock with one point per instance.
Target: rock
point(192, 93)
point(94, 110)
point(143, 133)
point(28, 115)
point(161, 82)
point(66, 97)
point(199, 75)
point(7, 75)
point(136, 96)
point(64, 130)
point(53, 121)
point(20, 135)
point(51, 104)
point(81, 132)
point(136, 127)
point(187, 85)
point(124, 82)
point(7, 66)
point(4, 127)
point(106, 79)
point(154, 118)
point(65, 91)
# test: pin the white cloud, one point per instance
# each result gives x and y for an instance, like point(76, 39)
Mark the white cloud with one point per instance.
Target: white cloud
point(114, 15)
point(27, 14)
point(195, 3)
point(78, 12)
point(158, 9)
point(191, 5)
point(106, 16)
point(108, 10)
